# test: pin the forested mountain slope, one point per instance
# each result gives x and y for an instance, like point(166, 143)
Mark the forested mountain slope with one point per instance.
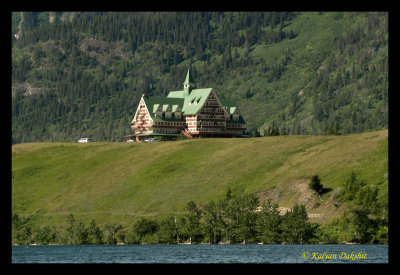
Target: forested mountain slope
point(80, 74)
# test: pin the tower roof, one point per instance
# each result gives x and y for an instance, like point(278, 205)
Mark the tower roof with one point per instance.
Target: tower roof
point(189, 78)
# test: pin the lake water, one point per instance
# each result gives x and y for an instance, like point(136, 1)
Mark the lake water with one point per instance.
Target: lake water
point(200, 254)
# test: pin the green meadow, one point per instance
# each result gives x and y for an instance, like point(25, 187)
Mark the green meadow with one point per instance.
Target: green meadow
point(119, 182)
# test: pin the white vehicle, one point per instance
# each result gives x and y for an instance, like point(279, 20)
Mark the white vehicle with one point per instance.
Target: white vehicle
point(151, 140)
point(130, 140)
point(84, 140)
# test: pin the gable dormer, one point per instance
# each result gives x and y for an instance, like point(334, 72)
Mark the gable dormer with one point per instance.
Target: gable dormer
point(176, 110)
point(157, 110)
point(235, 113)
point(167, 111)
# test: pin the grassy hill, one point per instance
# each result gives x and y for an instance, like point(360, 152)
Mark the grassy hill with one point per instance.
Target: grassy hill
point(117, 182)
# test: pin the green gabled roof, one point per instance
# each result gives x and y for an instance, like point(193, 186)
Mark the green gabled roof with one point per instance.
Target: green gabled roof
point(189, 105)
point(240, 121)
point(231, 106)
point(193, 102)
point(175, 107)
point(155, 107)
point(176, 94)
point(155, 134)
point(152, 104)
point(165, 107)
point(228, 103)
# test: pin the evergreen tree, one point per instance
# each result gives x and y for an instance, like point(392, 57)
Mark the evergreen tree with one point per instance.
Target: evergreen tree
point(192, 221)
point(352, 186)
point(256, 133)
point(76, 233)
point(247, 205)
point(44, 235)
point(212, 221)
point(295, 226)
point(21, 231)
point(70, 229)
point(239, 217)
point(80, 233)
point(145, 226)
point(168, 231)
point(110, 233)
point(363, 224)
point(269, 223)
point(315, 184)
point(94, 233)
point(225, 221)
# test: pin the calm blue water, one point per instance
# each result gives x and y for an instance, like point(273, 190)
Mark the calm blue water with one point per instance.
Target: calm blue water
point(200, 254)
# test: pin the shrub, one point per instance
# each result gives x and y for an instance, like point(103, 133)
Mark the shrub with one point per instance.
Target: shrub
point(351, 187)
point(315, 183)
point(144, 226)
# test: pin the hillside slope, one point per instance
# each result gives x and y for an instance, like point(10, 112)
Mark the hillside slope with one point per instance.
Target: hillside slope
point(82, 73)
point(120, 181)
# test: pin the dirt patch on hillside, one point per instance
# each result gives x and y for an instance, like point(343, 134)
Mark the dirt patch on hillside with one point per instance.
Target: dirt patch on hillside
point(288, 194)
point(105, 52)
point(27, 89)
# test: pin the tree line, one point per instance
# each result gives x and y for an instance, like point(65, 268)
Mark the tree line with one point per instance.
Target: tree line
point(235, 218)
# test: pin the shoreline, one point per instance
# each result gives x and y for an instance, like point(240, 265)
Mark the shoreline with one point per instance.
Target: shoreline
point(345, 243)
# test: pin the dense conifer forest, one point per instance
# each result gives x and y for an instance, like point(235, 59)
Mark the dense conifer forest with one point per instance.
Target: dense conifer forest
point(78, 74)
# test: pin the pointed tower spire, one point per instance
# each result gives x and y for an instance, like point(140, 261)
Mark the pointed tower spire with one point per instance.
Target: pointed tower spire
point(188, 85)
